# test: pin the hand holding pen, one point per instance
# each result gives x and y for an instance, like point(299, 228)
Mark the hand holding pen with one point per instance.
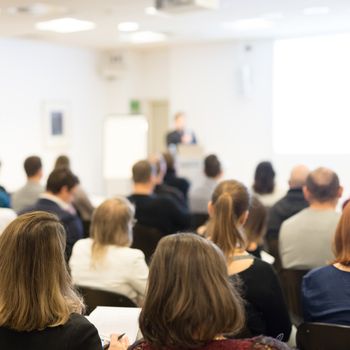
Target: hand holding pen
point(119, 342)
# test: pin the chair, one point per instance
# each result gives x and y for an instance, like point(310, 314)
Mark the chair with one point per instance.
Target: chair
point(96, 297)
point(291, 285)
point(323, 336)
point(146, 239)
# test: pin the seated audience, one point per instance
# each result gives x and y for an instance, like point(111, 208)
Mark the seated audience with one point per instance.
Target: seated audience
point(190, 302)
point(39, 307)
point(200, 195)
point(105, 260)
point(161, 188)
point(81, 201)
point(155, 211)
point(264, 187)
point(57, 199)
point(5, 201)
point(255, 227)
point(171, 178)
point(266, 309)
point(305, 238)
point(29, 193)
point(6, 216)
point(289, 205)
point(325, 290)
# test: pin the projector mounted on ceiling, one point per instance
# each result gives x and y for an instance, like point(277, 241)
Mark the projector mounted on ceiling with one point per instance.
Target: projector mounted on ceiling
point(181, 6)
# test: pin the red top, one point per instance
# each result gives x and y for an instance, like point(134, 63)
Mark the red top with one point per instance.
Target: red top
point(257, 343)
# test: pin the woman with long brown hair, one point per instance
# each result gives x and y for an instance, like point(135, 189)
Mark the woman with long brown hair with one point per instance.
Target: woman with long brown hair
point(190, 302)
point(266, 309)
point(325, 290)
point(39, 308)
point(105, 260)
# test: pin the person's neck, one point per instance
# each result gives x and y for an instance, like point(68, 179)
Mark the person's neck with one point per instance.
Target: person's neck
point(323, 205)
point(34, 179)
point(342, 267)
point(140, 188)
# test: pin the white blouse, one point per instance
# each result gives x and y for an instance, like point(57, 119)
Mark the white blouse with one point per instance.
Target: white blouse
point(122, 270)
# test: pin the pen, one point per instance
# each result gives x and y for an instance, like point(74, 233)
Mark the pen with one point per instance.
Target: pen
point(121, 336)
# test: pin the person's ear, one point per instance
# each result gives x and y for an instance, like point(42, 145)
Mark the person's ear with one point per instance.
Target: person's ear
point(340, 191)
point(210, 209)
point(306, 193)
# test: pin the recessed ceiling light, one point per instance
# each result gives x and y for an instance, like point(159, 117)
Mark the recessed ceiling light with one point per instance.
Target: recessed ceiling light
point(248, 24)
point(151, 11)
point(65, 25)
point(144, 37)
point(128, 27)
point(320, 10)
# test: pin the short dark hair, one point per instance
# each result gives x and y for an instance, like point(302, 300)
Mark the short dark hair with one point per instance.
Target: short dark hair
point(32, 165)
point(170, 161)
point(142, 171)
point(176, 310)
point(212, 166)
point(323, 185)
point(264, 178)
point(59, 178)
point(62, 161)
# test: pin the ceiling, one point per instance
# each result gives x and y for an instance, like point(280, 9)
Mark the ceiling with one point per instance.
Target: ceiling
point(287, 15)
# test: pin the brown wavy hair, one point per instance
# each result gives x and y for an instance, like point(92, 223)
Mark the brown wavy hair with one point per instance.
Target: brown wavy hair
point(230, 201)
point(36, 290)
point(341, 242)
point(189, 299)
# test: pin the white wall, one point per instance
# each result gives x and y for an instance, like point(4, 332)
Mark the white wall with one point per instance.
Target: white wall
point(32, 73)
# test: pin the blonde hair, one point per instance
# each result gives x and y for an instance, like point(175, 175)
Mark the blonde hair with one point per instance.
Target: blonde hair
point(36, 290)
point(111, 225)
point(230, 201)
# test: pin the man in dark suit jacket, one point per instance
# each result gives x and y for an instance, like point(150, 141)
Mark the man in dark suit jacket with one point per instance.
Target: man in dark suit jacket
point(180, 134)
point(57, 199)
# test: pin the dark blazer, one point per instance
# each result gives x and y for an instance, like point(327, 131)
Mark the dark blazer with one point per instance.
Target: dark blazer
point(174, 137)
point(77, 334)
point(71, 223)
point(180, 183)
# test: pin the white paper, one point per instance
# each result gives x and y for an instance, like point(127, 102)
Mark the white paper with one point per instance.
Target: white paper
point(117, 320)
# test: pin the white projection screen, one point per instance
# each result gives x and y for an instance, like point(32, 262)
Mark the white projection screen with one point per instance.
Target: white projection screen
point(311, 95)
point(124, 143)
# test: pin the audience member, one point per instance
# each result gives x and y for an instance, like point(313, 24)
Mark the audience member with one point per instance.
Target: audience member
point(286, 207)
point(39, 307)
point(7, 215)
point(305, 238)
point(105, 260)
point(255, 227)
point(264, 186)
point(29, 193)
point(266, 309)
point(180, 135)
point(5, 201)
point(325, 290)
point(171, 178)
point(152, 210)
point(81, 200)
point(161, 188)
point(200, 195)
point(57, 199)
point(190, 303)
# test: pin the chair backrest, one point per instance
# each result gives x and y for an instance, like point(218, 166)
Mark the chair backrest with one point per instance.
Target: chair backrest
point(96, 297)
point(323, 336)
point(291, 284)
point(146, 239)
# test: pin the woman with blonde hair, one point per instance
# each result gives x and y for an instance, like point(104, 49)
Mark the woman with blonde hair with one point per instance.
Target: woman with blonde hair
point(105, 260)
point(39, 308)
point(190, 301)
point(266, 309)
point(325, 290)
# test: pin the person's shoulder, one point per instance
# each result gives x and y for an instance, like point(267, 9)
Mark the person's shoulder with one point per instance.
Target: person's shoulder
point(295, 219)
point(319, 272)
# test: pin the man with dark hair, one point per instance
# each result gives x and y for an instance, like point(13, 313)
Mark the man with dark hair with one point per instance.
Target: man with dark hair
point(180, 135)
point(57, 199)
point(201, 195)
point(30, 192)
point(153, 210)
point(306, 238)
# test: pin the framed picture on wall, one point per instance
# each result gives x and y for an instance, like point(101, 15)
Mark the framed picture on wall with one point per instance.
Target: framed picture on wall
point(56, 123)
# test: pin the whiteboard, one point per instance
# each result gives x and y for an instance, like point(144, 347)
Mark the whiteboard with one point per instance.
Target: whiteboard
point(124, 143)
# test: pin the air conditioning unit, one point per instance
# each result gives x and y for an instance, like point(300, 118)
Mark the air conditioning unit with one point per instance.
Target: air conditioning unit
point(113, 65)
point(182, 6)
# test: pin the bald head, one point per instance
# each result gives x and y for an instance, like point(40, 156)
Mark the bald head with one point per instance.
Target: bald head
point(298, 176)
point(322, 185)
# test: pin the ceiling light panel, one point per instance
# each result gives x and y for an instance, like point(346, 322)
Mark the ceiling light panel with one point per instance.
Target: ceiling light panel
point(65, 25)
